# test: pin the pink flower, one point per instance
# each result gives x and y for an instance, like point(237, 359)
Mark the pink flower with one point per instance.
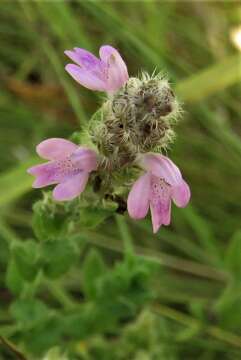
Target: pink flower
point(109, 73)
point(69, 167)
point(161, 183)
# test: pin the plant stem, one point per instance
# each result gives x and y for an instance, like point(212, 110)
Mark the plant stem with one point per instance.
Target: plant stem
point(214, 331)
point(60, 294)
point(11, 347)
point(163, 259)
point(7, 233)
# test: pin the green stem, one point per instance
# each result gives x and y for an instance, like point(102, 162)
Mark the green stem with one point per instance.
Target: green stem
point(60, 295)
point(214, 331)
point(11, 347)
point(7, 233)
point(170, 261)
point(30, 289)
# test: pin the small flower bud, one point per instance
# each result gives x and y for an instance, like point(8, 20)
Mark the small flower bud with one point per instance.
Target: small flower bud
point(136, 119)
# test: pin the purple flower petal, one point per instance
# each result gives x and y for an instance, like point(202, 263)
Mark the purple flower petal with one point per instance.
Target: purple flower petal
point(160, 203)
point(71, 188)
point(84, 159)
point(181, 194)
point(88, 62)
point(86, 78)
point(106, 74)
point(162, 167)
point(83, 58)
point(55, 149)
point(117, 73)
point(160, 215)
point(138, 199)
point(46, 174)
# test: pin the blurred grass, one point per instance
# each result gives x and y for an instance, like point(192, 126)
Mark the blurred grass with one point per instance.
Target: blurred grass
point(38, 99)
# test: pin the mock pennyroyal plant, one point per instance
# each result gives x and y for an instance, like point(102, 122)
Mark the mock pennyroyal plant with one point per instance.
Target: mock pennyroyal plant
point(161, 183)
point(132, 127)
point(69, 167)
point(109, 73)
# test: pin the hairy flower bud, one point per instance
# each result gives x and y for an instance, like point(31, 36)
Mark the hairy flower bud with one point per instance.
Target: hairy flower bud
point(136, 119)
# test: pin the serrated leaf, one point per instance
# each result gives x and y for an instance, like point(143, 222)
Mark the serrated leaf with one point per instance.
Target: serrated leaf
point(90, 217)
point(93, 268)
point(44, 335)
point(14, 281)
point(57, 256)
point(77, 325)
point(48, 224)
point(124, 289)
point(29, 312)
point(26, 258)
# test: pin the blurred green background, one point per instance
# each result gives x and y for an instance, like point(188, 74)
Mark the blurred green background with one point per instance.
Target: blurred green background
point(195, 311)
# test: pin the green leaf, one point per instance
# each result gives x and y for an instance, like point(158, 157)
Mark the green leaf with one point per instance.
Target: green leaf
point(44, 334)
point(124, 289)
point(55, 354)
point(57, 256)
point(91, 318)
point(77, 324)
point(48, 224)
point(29, 312)
point(93, 268)
point(26, 255)
point(14, 281)
point(91, 217)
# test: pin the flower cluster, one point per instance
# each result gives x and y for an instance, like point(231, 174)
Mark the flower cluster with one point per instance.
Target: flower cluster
point(132, 126)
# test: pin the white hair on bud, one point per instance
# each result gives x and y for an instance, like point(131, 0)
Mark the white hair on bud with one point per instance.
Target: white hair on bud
point(136, 119)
